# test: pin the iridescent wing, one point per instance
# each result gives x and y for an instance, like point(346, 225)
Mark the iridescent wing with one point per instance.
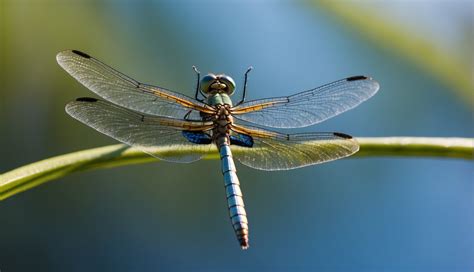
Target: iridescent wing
point(276, 151)
point(144, 132)
point(124, 91)
point(309, 107)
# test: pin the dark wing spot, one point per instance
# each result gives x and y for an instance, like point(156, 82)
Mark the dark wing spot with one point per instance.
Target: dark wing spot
point(355, 78)
point(86, 99)
point(82, 54)
point(342, 135)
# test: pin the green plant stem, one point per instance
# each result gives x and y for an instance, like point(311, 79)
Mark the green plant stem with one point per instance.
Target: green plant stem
point(34, 174)
point(459, 148)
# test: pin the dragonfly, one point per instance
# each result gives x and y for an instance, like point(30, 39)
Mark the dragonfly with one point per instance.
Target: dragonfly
point(151, 118)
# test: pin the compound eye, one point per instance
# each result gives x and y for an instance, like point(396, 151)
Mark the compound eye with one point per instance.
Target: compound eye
point(229, 82)
point(206, 82)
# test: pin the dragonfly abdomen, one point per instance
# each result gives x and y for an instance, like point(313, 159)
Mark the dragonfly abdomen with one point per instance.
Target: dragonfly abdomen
point(235, 202)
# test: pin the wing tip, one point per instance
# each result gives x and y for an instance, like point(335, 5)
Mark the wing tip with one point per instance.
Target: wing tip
point(354, 147)
point(65, 53)
point(375, 87)
point(59, 57)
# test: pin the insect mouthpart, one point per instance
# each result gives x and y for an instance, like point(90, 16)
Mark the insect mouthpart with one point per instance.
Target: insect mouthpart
point(217, 85)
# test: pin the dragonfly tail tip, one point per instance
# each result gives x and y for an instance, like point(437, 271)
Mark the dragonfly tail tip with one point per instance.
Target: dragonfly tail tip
point(244, 243)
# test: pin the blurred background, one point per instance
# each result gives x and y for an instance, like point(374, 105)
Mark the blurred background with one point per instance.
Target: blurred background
point(378, 214)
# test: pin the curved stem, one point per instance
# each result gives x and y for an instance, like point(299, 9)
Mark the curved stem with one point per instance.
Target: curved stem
point(34, 174)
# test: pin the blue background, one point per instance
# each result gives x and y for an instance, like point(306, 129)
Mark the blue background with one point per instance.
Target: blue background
point(377, 214)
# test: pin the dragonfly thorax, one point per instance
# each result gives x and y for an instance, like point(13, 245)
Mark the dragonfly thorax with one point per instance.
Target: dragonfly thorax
point(219, 99)
point(223, 121)
point(217, 84)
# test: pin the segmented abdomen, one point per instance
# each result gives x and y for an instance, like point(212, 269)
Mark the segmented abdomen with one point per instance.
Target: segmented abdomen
point(235, 202)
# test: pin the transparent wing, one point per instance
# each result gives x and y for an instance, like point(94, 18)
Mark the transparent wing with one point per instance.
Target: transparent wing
point(309, 107)
point(144, 132)
point(127, 92)
point(277, 151)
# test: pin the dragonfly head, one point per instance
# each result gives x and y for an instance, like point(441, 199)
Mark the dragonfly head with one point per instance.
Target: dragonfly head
point(212, 84)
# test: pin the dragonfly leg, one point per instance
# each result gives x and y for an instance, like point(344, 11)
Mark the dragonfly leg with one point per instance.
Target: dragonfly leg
point(186, 116)
point(198, 84)
point(245, 85)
